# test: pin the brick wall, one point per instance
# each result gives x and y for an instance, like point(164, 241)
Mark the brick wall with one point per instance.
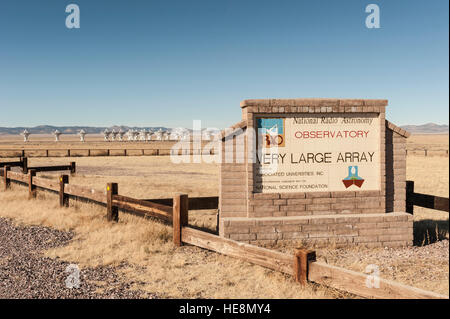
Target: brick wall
point(233, 177)
point(358, 217)
point(316, 203)
point(380, 230)
point(395, 168)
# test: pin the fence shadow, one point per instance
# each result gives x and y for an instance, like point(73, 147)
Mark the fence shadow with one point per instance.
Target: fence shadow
point(429, 231)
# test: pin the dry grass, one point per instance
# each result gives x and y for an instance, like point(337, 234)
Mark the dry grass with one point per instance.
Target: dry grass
point(153, 263)
point(430, 176)
point(146, 178)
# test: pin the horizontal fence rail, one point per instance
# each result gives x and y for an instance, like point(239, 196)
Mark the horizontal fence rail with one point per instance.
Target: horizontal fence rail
point(195, 203)
point(144, 207)
point(23, 163)
point(356, 283)
point(91, 152)
point(70, 168)
point(424, 200)
point(12, 164)
point(302, 265)
point(257, 255)
point(426, 152)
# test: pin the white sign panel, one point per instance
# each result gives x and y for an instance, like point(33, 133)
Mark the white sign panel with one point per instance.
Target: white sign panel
point(318, 153)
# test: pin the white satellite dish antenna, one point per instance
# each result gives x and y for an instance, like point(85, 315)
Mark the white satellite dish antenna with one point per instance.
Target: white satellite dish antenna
point(57, 133)
point(82, 134)
point(106, 134)
point(25, 135)
point(120, 135)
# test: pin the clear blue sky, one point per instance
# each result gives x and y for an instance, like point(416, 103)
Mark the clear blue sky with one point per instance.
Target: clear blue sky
point(150, 63)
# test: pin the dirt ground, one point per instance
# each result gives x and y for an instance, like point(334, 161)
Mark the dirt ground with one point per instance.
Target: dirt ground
point(155, 267)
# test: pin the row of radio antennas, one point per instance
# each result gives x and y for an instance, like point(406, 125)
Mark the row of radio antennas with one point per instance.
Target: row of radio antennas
point(132, 135)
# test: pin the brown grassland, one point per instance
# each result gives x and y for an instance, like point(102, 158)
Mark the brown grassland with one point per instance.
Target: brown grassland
point(190, 272)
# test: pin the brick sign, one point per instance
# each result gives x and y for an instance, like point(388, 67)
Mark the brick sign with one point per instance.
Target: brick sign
point(315, 153)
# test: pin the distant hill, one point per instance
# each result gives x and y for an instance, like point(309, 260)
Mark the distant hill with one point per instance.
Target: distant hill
point(429, 128)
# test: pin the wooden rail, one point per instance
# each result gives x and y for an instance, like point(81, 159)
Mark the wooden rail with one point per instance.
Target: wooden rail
point(302, 265)
point(143, 207)
point(12, 164)
point(23, 163)
point(424, 200)
point(91, 152)
point(426, 152)
point(257, 255)
point(71, 167)
point(356, 283)
point(195, 203)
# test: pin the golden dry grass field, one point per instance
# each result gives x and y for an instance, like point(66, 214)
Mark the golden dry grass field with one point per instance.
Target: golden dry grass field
point(190, 272)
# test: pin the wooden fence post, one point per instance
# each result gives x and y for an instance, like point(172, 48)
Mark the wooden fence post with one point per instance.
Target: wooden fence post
point(7, 181)
point(31, 187)
point(25, 165)
point(63, 198)
point(410, 197)
point(180, 216)
point(301, 264)
point(23, 153)
point(218, 221)
point(73, 168)
point(112, 212)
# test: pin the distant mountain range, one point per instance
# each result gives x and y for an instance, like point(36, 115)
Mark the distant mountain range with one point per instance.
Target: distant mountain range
point(429, 128)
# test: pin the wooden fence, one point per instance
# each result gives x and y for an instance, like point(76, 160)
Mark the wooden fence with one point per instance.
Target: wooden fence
point(23, 164)
point(86, 152)
point(426, 152)
point(423, 200)
point(302, 265)
point(92, 152)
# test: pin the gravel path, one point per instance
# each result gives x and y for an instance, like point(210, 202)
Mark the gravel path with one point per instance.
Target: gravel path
point(26, 273)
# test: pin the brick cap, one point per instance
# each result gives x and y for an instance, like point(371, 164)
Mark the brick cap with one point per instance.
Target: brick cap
point(239, 125)
point(391, 126)
point(313, 102)
point(282, 219)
